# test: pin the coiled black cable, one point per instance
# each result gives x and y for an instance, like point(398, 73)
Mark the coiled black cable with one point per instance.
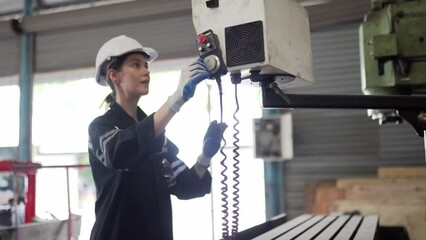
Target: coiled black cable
point(236, 191)
point(224, 189)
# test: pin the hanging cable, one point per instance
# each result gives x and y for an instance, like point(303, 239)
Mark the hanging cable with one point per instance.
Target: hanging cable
point(236, 191)
point(224, 189)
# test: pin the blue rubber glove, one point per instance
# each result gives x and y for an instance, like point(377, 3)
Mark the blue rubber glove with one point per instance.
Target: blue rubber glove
point(212, 141)
point(190, 77)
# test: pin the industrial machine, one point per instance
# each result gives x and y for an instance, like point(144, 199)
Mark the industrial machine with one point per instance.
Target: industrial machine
point(392, 42)
point(18, 218)
point(393, 68)
point(269, 38)
point(268, 42)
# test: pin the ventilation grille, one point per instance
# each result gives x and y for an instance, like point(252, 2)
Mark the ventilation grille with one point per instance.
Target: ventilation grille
point(244, 44)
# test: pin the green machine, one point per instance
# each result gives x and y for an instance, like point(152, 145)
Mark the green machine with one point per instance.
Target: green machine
point(393, 52)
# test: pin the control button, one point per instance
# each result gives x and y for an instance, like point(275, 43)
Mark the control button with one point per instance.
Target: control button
point(202, 39)
point(200, 49)
point(208, 45)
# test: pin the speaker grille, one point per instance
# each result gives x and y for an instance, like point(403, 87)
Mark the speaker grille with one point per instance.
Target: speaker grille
point(244, 44)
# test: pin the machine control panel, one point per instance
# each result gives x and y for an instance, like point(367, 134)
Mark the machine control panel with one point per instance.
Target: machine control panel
point(209, 50)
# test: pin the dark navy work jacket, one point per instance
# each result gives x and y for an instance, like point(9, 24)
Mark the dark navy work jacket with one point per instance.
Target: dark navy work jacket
point(135, 173)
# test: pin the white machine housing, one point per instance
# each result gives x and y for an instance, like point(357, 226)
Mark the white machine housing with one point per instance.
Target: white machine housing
point(285, 38)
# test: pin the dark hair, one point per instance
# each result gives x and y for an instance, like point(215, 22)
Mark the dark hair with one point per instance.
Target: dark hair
point(116, 63)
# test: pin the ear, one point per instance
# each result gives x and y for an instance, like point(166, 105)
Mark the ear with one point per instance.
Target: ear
point(113, 75)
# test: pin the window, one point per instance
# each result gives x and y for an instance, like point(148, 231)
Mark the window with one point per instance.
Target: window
point(9, 120)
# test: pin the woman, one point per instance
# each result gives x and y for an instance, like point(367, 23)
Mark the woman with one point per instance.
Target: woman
point(134, 166)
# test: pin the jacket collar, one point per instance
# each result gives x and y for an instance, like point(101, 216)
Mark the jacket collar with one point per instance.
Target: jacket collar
point(125, 120)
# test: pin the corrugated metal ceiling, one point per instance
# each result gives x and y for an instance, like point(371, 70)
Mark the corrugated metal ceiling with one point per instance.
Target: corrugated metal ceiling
point(8, 7)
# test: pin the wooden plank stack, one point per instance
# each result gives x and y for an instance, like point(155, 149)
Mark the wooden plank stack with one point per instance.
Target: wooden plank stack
point(398, 196)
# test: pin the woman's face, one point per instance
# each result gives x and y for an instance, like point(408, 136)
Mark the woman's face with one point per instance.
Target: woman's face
point(133, 77)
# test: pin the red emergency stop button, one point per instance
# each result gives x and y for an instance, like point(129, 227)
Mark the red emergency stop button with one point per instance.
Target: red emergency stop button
point(202, 39)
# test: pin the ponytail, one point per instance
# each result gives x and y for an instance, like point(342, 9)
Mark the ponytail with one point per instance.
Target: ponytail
point(110, 97)
point(107, 101)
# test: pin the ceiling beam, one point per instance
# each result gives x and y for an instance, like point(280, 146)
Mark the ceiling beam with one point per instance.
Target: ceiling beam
point(117, 12)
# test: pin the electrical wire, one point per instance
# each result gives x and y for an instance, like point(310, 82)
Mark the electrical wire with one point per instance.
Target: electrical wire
point(236, 189)
point(224, 189)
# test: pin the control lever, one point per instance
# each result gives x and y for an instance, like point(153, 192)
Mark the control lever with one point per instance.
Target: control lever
point(208, 48)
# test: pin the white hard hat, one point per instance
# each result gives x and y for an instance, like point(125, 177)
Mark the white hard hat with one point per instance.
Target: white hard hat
point(116, 47)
